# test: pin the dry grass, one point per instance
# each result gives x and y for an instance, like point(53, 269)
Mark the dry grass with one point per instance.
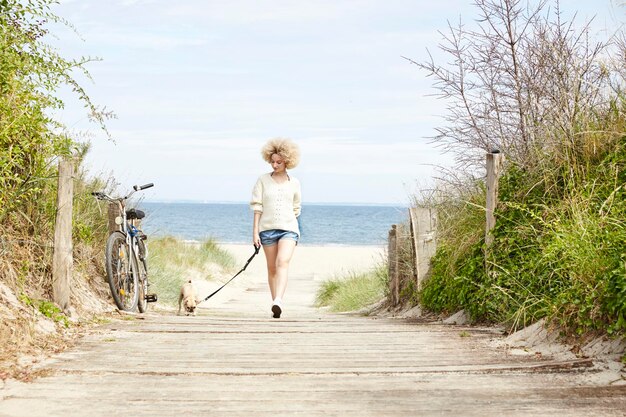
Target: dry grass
point(27, 335)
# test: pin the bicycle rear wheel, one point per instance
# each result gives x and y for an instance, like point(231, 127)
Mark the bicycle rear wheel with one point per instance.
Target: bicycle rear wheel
point(122, 272)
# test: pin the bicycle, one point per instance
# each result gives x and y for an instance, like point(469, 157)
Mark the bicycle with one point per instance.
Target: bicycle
point(126, 256)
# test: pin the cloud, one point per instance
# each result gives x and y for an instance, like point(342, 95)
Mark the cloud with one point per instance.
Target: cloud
point(341, 155)
point(132, 3)
point(241, 12)
point(147, 39)
point(199, 85)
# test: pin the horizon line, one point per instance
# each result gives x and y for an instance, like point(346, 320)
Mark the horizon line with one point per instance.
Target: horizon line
point(311, 203)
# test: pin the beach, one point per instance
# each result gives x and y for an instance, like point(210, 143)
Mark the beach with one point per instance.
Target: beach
point(310, 266)
point(321, 262)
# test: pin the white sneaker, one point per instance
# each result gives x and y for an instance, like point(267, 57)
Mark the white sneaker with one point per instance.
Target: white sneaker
point(277, 310)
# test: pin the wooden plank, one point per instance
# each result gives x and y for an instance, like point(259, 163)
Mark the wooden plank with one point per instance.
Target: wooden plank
point(423, 223)
point(234, 360)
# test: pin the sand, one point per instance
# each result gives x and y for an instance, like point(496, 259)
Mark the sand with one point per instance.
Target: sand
point(321, 262)
point(248, 294)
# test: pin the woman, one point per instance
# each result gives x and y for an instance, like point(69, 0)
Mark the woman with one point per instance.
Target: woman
point(276, 206)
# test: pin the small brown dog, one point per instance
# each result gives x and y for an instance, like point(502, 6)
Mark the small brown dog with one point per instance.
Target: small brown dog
point(189, 298)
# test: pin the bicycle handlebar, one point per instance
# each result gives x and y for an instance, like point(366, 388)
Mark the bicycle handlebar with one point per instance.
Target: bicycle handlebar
point(143, 187)
point(102, 196)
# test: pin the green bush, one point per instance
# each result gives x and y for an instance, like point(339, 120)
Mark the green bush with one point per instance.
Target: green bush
point(558, 252)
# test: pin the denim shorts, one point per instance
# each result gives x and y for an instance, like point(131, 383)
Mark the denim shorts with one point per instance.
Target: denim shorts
point(272, 236)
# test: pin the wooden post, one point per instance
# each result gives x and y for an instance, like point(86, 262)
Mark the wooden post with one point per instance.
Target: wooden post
point(62, 258)
point(423, 222)
point(401, 255)
point(392, 257)
point(494, 163)
point(113, 213)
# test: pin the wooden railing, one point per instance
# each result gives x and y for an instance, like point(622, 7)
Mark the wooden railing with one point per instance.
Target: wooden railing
point(410, 250)
point(419, 242)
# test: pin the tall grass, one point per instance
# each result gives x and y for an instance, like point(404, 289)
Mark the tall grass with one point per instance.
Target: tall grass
point(172, 262)
point(558, 249)
point(354, 291)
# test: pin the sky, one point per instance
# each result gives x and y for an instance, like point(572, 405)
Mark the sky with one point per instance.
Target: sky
point(198, 86)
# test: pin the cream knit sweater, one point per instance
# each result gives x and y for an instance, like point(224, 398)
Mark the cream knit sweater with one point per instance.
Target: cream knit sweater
point(279, 204)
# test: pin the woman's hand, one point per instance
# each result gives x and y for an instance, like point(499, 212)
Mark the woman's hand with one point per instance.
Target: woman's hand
point(256, 239)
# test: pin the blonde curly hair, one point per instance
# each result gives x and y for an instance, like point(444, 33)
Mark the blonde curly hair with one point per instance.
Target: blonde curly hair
point(283, 147)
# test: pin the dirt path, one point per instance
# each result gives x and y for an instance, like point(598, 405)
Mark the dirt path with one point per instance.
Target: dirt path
point(234, 360)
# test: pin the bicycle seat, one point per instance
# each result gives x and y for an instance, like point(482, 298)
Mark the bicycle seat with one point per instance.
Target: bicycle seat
point(135, 214)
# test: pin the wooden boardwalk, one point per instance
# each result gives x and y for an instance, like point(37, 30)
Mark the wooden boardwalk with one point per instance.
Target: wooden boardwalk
point(234, 360)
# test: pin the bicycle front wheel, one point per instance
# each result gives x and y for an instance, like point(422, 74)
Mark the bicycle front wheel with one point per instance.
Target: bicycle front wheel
point(122, 272)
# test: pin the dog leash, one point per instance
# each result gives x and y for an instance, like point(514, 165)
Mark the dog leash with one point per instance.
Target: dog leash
point(256, 252)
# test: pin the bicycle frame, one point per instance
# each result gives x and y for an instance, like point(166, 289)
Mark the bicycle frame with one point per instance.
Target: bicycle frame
point(128, 227)
point(129, 230)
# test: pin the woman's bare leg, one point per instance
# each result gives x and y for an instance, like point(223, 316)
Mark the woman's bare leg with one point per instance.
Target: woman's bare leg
point(283, 257)
point(270, 257)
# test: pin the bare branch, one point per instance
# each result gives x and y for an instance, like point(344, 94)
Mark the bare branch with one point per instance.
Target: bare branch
point(525, 81)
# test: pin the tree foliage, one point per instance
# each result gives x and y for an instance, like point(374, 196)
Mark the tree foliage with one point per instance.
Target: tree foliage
point(31, 72)
point(32, 141)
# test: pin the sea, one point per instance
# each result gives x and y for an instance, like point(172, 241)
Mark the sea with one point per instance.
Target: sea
point(320, 225)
